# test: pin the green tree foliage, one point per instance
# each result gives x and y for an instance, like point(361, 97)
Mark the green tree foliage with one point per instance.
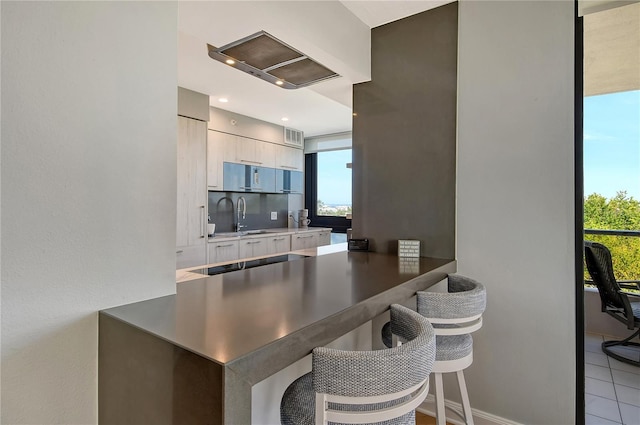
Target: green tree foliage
point(621, 212)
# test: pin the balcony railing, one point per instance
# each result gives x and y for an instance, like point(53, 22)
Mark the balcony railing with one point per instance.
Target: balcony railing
point(612, 232)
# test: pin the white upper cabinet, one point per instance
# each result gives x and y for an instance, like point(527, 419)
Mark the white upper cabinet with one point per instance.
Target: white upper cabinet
point(288, 158)
point(242, 150)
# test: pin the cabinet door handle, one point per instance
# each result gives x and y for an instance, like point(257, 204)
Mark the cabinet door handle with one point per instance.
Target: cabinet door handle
point(179, 252)
point(252, 242)
point(251, 162)
point(289, 167)
point(202, 227)
point(224, 246)
point(304, 237)
point(278, 239)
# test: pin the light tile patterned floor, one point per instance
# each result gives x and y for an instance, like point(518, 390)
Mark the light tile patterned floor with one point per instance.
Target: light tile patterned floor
point(612, 388)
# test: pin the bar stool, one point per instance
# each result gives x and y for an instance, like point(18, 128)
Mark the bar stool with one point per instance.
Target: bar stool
point(454, 315)
point(381, 386)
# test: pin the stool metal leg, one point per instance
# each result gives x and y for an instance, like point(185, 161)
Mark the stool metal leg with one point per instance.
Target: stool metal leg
point(464, 396)
point(441, 418)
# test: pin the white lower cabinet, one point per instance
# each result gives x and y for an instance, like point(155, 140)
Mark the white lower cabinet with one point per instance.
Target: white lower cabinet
point(223, 251)
point(279, 243)
point(304, 240)
point(189, 256)
point(324, 238)
point(253, 247)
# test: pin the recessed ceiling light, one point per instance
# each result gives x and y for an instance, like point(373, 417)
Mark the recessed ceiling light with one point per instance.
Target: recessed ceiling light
point(230, 61)
point(285, 119)
point(279, 82)
point(223, 100)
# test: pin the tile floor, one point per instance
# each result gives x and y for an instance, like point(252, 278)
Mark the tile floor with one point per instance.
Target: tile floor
point(612, 388)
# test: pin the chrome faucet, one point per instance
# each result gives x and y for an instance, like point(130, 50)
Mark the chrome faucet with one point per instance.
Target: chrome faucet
point(244, 212)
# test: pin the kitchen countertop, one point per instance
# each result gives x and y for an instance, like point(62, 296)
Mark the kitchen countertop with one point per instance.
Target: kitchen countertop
point(188, 273)
point(223, 236)
point(252, 323)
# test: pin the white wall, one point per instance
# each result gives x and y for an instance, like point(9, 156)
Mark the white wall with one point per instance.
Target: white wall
point(515, 210)
point(88, 189)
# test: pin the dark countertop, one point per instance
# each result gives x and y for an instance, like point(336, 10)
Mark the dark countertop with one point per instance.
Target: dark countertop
point(255, 322)
point(227, 316)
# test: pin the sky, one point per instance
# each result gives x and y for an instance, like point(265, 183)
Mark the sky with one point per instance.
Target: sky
point(611, 152)
point(334, 178)
point(612, 144)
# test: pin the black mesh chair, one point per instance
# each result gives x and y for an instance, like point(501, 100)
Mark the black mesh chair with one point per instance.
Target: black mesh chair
point(615, 302)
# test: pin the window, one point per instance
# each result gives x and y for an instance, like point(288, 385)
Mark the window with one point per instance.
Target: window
point(611, 182)
point(328, 181)
point(334, 183)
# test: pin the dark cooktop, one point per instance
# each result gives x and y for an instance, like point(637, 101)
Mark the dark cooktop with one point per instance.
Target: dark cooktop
point(243, 265)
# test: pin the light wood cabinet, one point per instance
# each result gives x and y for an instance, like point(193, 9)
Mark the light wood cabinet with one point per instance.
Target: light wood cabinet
point(253, 247)
point(279, 243)
point(242, 150)
point(263, 245)
point(220, 252)
point(189, 256)
point(288, 158)
point(324, 238)
point(191, 214)
point(304, 240)
point(216, 143)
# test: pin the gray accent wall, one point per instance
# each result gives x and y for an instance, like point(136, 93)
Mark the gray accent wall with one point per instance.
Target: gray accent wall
point(515, 215)
point(404, 135)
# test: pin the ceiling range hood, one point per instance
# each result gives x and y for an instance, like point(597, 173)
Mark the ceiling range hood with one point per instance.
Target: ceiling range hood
point(264, 56)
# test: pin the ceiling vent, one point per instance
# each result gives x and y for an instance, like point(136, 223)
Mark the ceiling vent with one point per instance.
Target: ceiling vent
point(293, 137)
point(269, 59)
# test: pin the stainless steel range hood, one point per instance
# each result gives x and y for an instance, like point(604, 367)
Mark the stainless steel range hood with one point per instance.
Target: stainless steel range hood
point(269, 59)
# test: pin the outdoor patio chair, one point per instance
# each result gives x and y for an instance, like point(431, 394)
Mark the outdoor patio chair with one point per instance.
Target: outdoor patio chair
point(614, 300)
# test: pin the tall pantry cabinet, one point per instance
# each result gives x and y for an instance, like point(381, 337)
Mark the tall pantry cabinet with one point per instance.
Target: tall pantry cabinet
point(191, 210)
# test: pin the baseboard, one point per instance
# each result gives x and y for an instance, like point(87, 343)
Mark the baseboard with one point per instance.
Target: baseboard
point(479, 417)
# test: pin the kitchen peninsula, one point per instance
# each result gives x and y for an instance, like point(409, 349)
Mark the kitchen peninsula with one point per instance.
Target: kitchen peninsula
point(193, 357)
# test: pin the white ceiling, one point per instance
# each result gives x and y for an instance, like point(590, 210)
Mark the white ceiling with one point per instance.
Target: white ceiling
point(376, 13)
point(612, 50)
point(334, 33)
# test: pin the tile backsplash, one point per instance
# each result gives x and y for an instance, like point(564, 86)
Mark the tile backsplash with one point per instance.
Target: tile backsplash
point(222, 210)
